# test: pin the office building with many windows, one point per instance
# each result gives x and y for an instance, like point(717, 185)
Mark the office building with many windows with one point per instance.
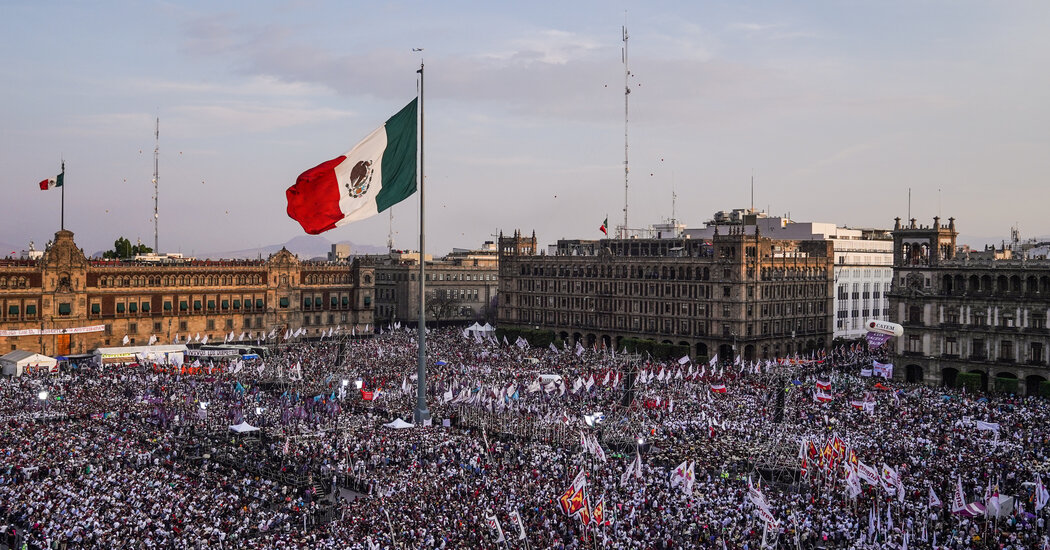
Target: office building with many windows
point(733, 294)
point(982, 312)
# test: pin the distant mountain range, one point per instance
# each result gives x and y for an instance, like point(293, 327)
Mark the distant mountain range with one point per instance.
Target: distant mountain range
point(307, 247)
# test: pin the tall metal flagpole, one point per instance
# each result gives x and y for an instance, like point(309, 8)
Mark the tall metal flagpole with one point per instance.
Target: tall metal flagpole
point(626, 96)
point(421, 412)
point(62, 220)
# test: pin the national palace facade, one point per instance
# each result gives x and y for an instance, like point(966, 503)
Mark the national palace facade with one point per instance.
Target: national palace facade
point(65, 303)
point(983, 312)
point(735, 294)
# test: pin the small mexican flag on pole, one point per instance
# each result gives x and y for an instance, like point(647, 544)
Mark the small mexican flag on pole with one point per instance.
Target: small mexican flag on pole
point(604, 228)
point(56, 181)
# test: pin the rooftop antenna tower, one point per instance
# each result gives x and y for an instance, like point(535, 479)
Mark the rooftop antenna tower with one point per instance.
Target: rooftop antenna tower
point(674, 198)
point(156, 189)
point(390, 234)
point(626, 95)
point(752, 190)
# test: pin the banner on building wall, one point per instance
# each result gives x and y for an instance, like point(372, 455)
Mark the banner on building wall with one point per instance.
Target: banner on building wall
point(52, 331)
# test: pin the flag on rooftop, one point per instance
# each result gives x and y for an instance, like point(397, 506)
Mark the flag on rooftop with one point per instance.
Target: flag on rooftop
point(56, 181)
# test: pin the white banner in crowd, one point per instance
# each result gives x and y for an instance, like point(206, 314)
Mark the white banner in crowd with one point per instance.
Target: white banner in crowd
point(884, 370)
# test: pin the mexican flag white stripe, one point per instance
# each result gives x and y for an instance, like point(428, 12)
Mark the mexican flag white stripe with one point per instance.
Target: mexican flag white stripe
point(376, 174)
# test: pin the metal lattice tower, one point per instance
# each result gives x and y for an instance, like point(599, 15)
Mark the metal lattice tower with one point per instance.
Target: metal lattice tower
point(156, 188)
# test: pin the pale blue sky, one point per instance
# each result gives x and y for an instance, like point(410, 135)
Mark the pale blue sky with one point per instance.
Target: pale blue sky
point(838, 107)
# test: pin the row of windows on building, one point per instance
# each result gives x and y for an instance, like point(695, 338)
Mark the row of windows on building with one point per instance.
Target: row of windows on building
point(667, 290)
point(440, 276)
point(862, 290)
point(857, 323)
point(116, 281)
point(862, 314)
point(665, 273)
point(142, 306)
point(335, 301)
point(16, 310)
point(984, 317)
point(14, 282)
point(647, 307)
point(1001, 284)
point(329, 319)
point(462, 294)
point(981, 349)
point(854, 259)
point(341, 278)
point(866, 273)
point(680, 327)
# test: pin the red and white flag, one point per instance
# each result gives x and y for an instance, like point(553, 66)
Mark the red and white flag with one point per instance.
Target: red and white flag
point(51, 183)
point(493, 523)
point(718, 388)
point(376, 174)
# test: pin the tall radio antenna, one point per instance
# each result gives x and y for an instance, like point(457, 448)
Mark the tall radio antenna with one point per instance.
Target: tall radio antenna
point(156, 188)
point(626, 95)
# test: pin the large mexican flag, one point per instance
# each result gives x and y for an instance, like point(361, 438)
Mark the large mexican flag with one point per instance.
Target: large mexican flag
point(376, 174)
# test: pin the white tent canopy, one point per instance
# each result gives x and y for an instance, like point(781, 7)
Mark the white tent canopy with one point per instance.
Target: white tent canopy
point(21, 362)
point(398, 424)
point(243, 427)
point(478, 329)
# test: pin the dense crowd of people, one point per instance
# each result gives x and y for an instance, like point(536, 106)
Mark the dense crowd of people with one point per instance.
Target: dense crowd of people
point(555, 447)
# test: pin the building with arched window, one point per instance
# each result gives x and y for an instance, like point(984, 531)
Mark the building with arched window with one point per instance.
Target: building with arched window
point(65, 303)
point(981, 312)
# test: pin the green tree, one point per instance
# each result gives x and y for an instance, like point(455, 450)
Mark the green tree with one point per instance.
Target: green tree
point(123, 249)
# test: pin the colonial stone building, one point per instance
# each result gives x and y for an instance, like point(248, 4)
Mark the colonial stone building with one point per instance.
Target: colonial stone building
point(460, 287)
point(863, 261)
point(982, 312)
point(735, 294)
point(66, 290)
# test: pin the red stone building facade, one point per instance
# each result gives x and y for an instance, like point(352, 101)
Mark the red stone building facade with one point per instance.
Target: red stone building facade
point(66, 290)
